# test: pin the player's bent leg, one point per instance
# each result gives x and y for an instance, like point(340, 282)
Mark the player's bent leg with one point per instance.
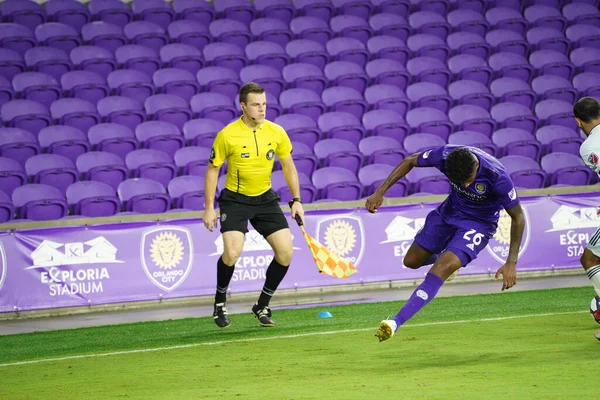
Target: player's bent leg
point(447, 264)
point(233, 243)
point(591, 264)
point(417, 256)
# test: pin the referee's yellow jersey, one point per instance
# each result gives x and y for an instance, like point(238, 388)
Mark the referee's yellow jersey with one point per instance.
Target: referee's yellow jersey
point(250, 155)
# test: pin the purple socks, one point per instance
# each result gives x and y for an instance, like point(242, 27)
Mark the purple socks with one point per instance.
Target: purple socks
point(424, 293)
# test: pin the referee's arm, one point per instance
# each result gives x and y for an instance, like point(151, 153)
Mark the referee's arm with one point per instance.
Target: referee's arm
point(291, 175)
point(218, 154)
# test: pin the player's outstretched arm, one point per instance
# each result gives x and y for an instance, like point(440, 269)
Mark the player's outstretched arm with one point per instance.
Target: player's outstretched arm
point(209, 217)
point(509, 269)
point(376, 199)
point(290, 173)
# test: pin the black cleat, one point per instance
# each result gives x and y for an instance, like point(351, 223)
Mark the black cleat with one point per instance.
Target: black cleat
point(263, 315)
point(221, 316)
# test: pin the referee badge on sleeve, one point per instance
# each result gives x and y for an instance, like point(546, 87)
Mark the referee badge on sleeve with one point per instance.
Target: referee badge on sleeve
point(270, 154)
point(212, 154)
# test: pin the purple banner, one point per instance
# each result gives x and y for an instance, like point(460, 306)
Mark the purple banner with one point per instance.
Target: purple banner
point(75, 266)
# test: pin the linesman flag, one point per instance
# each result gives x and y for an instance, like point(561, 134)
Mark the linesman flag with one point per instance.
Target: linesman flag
point(327, 261)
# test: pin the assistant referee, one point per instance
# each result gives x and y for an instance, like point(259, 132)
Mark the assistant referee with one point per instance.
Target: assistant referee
point(250, 144)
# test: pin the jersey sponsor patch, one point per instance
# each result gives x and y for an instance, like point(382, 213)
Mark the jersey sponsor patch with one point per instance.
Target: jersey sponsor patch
point(270, 154)
point(593, 158)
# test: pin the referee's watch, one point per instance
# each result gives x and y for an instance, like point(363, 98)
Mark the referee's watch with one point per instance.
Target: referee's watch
point(296, 200)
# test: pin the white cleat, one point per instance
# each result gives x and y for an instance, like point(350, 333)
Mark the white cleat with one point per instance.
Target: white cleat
point(386, 329)
point(597, 335)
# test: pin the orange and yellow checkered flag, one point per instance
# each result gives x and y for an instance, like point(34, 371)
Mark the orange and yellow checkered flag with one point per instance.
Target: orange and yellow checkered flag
point(327, 261)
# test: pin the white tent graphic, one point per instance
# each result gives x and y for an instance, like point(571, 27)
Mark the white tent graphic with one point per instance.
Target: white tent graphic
point(52, 254)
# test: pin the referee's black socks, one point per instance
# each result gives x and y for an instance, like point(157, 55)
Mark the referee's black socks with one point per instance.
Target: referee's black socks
point(275, 274)
point(224, 274)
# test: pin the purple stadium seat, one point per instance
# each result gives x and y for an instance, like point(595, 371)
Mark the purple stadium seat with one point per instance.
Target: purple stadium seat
point(230, 31)
point(587, 59)
point(7, 209)
point(505, 40)
point(428, 180)
point(84, 85)
point(177, 81)
point(78, 113)
point(168, 107)
point(351, 26)
point(121, 110)
point(567, 169)
point(471, 92)
point(151, 164)
point(201, 132)
point(49, 60)
point(514, 115)
point(266, 76)
point(382, 150)
point(348, 49)
point(429, 69)
point(113, 138)
point(187, 192)
point(474, 139)
point(200, 11)
point(384, 120)
point(111, 11)
point(300, 128)
point(25, 114)
point(337, 183)
point(55, 34)
point(11, 63)
point(146, 34)
point(302, 101)
point(524, 172)
point(93, 199)
point(468, 66)
point(588, 83)
point(304, 159)
point(17, 37)
point(468, 117)
point(225, 55)
point(308, 191)
point(23, 12)
point(156, 11)
point(556, 112)
point(104, 34)
point(51, 169)
point(304, 76)
point(131, 83)
point(390, 25)
point(238, 10)
point(6, 91)
point(311, 28)
point(69, 12)
point(37, 86)
point(581, 13)
point(18, 144)
point(389, 48)
point(94, 59)
point(543, 38)
point(373, 175)
point(517, 142)
point(321, 9)
point(550, 62)
point(307, 51)
point(429, 22)
point(427, 45)
point(427, 94)
point(192, 33)
point(346, 99)
point(437, 6)
point(559, 138)
point(144, 196)
point(140, 58)
point(583, 35)
point(388, 72)
point(341, 125)
point(430, 120)
point(214, 106)
point(506, 18)
point(192, 160)
point(358, 8)
point(102, 166)
point(267, 53)
point(39, 202)
point(545, 16)
point(549, 87)
point(271, 30)
point(387, 97)
point(219, 80)
point(345, 73)
point(64, 140)
point(513, 90)
point(12, 175)
point(160, 135)
point(418, 142)
point(468, 43)
point(281, 10)
point(398, 7)
point(511, 65)
point(464, 20)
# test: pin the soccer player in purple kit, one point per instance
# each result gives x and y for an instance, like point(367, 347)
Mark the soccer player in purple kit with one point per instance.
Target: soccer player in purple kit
point(459, 228)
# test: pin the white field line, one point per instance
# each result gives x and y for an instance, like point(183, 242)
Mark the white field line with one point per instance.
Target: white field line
point(299, 335)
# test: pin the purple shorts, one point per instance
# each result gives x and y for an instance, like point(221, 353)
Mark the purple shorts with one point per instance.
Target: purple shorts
point(465, 241)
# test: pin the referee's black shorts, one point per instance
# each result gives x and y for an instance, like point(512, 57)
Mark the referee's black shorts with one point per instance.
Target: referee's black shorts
point(263, 212)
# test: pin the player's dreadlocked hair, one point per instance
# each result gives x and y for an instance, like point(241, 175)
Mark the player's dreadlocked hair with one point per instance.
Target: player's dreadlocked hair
point(460, 165)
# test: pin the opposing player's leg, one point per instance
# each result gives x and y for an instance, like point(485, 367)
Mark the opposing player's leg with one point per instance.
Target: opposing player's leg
point(271, 223)
point(590, 260)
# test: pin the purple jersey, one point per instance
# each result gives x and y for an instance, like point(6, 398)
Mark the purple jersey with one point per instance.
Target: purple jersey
point(491, 191)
